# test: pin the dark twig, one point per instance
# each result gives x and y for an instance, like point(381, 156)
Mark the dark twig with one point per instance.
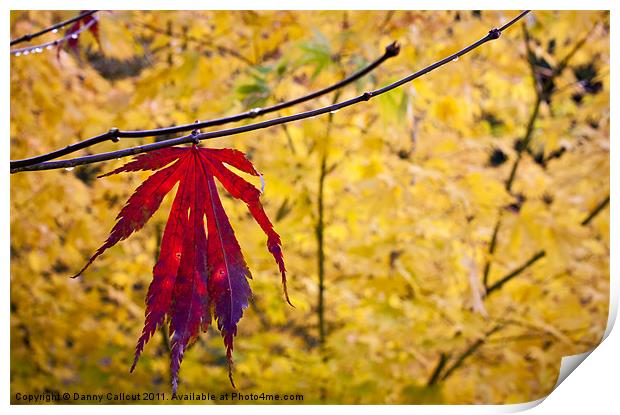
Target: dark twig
point(527, 137)
point(115, 134)
point(320, 238)
point(469, 351)
point(513, 21)
point(564, 62)
point(220, 48)
point(508, 277)
point(524, 144)
point(49, 45)
point(443, 359)
point(320, 231)
point(541, 254)
point(30, 36)
point(492, 35)
point(436, 377)
point(596, 211)
point(498, 284)
point(491, 251)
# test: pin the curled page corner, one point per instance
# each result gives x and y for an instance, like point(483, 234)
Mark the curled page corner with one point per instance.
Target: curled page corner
point(520, 407)
point(569, 363)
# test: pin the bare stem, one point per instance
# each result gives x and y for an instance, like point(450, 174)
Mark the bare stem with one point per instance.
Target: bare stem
point(57, 42)
point(507, 278)
point(320, 238)
point(523, 145)
point(498, 284)
point(443, 359)
point(201, 42)
point(191, 138)
point(468, 352)
point(487, 265)
point(320, 231)
point(30, 36)
point(114, 134)
point(596, 211)
point(527, 137)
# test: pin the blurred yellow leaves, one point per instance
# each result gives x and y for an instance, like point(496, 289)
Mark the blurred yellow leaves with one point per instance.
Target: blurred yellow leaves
point(411, 199)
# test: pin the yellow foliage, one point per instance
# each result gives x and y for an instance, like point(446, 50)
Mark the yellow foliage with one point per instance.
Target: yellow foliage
point(411, 199)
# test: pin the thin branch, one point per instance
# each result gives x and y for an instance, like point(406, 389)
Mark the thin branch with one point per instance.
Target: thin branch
point(491, 251)
point(49, 45)
point(564, 62)
point(443, 359)
point(468, 352)
point(196, 137)
point(508, 277)
point(320, 239)
point(498, 284)
point(524, 144)
point(114, 134)
point(221, 49)
point(30, 36)
point(320, 231)
point(541, 254)
point(527, 138)
point(513, 21)
point(596, 211)
point(579, 83)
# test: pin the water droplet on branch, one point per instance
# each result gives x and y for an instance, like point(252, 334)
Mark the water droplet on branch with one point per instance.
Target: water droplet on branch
point(455, 59)
point(69, 168)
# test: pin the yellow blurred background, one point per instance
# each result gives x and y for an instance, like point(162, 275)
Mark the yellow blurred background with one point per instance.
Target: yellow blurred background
point(413, 186)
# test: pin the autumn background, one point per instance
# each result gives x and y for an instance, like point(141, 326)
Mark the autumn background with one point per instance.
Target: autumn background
point(392, 203)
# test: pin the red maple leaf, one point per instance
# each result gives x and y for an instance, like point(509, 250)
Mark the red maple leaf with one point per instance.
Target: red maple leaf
point(197, 275)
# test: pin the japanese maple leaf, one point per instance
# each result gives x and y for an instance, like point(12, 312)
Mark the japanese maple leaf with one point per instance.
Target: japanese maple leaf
point(197, 274)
